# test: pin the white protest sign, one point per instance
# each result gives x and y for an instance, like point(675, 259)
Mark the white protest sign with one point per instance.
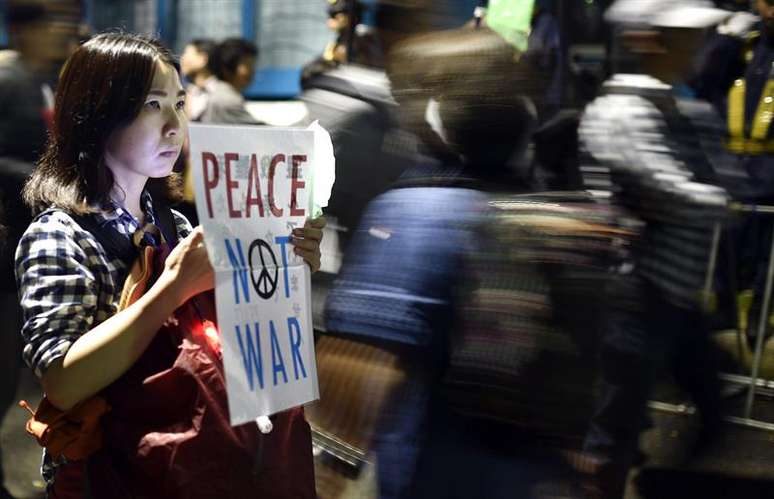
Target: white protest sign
point(252, 188)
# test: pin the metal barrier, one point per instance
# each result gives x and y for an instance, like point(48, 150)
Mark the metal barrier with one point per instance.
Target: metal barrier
point(753, 383)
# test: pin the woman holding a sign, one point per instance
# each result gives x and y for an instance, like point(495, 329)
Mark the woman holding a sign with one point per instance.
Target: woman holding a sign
point(135, 398)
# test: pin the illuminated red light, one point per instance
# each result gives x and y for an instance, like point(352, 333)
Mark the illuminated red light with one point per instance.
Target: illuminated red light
point(212, 336)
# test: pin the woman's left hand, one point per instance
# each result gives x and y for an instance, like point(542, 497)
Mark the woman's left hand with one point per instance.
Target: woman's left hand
point(307, 242)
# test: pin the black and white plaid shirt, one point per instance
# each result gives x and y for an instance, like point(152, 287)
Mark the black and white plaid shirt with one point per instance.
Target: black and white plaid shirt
point(68, 284)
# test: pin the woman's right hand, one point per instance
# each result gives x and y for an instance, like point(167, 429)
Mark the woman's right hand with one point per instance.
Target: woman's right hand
point(188, 267)
point(102, 354)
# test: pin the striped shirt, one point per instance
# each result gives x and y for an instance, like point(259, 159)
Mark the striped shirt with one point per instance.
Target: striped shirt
point(68, 284)
point(649, 158)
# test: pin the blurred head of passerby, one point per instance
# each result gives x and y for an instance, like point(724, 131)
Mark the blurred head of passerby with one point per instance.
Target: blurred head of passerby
point(233, 60)
point(665, 34)
point(41, 43)
point(27, 25)
point(343, 19)
point(395, 20)
point(22, 72)
point(473, 88)
point(343, 14)
point(232, 63)
point(194, 66)
point(765, 9)
point(194, 60)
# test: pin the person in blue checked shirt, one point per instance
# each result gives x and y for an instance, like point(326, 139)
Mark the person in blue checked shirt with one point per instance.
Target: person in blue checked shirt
point(119, 127)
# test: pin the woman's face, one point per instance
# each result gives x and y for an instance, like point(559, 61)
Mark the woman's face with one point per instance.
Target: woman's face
point(150, 145)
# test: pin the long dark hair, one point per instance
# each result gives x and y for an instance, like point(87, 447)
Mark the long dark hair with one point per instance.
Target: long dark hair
point(102, 88)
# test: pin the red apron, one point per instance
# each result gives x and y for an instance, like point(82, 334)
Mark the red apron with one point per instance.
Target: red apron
point(168, 435)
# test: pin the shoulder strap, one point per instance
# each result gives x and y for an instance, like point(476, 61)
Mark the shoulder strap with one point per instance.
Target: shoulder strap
point(691, 152)
point(116, 245)
point(120, 246)
point(166, 222)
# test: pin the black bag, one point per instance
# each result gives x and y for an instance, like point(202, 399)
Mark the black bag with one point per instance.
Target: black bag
point(531, 311)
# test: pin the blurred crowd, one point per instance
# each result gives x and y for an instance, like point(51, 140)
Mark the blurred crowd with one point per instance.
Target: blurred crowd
point(524, 248)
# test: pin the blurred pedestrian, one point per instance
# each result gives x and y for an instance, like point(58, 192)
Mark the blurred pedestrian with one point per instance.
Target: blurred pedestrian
point(545, 50)
point(194, 66)
point(655, 151)
point(232, 62)
point(735, 73)
point(22, 137)
point(343, 18)
point(461, 93)
point(220, 72)
point(22, 72)
point(354, 103)
point(199, 83)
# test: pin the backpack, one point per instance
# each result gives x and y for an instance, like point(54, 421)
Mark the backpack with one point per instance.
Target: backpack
point(531, 310)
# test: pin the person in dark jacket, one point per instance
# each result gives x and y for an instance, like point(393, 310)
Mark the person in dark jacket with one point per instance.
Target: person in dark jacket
point(22, 138)
point(232, 61)
point(654, 154)
point(734, 72)
point(395, 289)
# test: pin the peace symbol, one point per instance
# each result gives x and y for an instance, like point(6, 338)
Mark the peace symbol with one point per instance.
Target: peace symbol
point(265, 284)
